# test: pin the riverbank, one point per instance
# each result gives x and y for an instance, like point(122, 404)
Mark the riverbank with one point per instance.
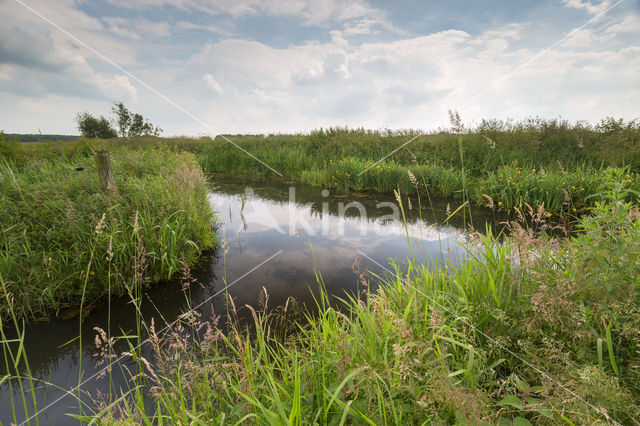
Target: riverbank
point(501, 164)
point(65, 243)
point(533, 331)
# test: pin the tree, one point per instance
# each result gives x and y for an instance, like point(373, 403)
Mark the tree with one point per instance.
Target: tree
point(133, 124)
point(140, 126)
point(93, 127)
point(123, 118)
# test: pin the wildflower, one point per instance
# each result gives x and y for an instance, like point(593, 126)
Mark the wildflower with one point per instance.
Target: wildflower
point(100, 226)
point(573, 209)
point(628, 175)
point(533, 170)
point(573, 187)
point(500, 203)
point(110, 249)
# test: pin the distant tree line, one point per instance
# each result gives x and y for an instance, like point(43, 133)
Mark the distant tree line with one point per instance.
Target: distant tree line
point(127, 124)
point(28, 137)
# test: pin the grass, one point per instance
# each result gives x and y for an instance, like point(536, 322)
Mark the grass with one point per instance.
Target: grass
point(516, 164)
point(65, 243)
point(533, 330)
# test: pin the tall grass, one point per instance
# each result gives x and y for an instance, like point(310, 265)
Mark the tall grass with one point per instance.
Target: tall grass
point(54, 221)
point(516, 333)
point(530, 162)
point(517, 164)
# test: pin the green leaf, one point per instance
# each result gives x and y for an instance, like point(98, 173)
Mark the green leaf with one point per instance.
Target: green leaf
point(511, 400)
point(521, 421)
point(532, 401)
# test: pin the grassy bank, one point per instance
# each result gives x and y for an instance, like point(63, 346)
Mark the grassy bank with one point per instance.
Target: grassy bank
point(513, 164)
point(64, 242)
point(533, 162)
point(532, 331)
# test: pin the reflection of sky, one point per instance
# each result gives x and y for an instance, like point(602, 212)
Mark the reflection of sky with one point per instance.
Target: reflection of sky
point(306, 235)
point(303, 234)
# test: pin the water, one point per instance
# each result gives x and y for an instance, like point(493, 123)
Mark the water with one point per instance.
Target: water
point(269, 241)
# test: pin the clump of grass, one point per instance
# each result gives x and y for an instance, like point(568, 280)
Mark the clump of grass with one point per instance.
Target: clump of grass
point(54, 218)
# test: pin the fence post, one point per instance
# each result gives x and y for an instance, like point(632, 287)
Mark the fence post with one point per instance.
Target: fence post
point(103, 165)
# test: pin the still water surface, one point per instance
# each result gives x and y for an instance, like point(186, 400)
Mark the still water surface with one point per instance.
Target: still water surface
point(268, 240)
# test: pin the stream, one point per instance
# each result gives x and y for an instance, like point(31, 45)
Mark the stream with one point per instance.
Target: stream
point(273, 234)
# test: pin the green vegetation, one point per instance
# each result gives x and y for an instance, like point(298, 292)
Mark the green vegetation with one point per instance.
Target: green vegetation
point(129, 124)
point(63, 241)
point(92, 127)
point(132, 124)
point(515, 164)
point(22, 137)
point(530, 331)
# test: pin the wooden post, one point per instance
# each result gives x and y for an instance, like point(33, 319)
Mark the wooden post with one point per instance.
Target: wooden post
point(103, 165)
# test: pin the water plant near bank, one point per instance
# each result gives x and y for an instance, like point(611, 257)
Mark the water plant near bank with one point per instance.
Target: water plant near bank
point(515, 163)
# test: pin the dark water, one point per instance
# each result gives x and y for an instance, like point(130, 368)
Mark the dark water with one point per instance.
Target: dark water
point(267, 241)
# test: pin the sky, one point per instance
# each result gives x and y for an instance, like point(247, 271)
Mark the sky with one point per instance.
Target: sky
point(205, 67)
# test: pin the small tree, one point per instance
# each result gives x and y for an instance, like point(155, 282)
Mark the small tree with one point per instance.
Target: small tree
point(92, 127)
point(132, 124)
point(123, 118)
point(140, 126)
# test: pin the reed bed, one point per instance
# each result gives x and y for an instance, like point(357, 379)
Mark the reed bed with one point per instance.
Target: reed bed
point(516, 164)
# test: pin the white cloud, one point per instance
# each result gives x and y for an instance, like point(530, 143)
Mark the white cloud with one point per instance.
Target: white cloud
point(185, 26)
point(630, 24)
point(410, 82)
point(137, 28)
point(314, 12)
point(588, 6)
point(398, 81)
point(211, 83)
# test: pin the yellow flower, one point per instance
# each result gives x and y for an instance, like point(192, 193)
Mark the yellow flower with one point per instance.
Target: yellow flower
point(573, 209)
point(628, 176)
point(534, 170)
point(573, 187)
point(499, 203)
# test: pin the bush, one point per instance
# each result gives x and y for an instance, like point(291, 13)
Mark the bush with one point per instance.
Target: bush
point(92, 127)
